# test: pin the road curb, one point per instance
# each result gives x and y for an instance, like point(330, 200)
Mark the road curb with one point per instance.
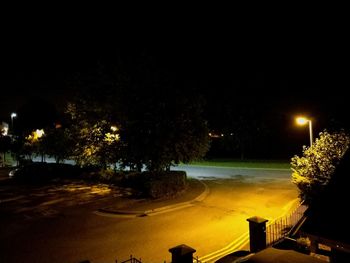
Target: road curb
point(158, 210)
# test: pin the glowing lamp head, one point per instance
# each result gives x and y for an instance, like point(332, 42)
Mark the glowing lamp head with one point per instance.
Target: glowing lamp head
point(13, 115)
point(301, 120)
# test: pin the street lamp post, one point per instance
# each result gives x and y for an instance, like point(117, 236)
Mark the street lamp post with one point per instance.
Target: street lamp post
point(13, 115)
point(303, 121)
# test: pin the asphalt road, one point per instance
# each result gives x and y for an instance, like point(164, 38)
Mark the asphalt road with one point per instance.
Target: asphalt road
point(211, 172)
point(76, 233)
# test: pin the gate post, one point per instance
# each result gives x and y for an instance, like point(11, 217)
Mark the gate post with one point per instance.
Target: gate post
point(182, 254)
point(257, 233)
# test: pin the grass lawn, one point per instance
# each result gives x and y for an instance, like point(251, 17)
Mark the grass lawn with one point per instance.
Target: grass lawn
point(8, 160)
point(275, 164)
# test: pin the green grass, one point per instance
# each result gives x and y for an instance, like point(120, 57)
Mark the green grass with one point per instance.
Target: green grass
point(9, 160)
point(275, 164)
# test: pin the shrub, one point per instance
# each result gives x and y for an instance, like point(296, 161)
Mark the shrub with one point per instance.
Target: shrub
point(313, 171)
point(166, 184)
point(157, 184)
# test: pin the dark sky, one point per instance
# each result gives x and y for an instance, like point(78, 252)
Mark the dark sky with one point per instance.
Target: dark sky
point(285, 71)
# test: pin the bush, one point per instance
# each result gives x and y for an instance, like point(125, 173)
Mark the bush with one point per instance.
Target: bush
point(166, 184)
point(96, 174)
point(157, 184)
point(313, 171)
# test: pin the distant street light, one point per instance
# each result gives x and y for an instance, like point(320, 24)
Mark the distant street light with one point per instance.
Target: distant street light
point(13, 115)
point(303, 121)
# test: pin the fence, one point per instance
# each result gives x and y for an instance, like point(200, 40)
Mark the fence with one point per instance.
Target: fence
point(134, 260)
point(281, 227)
point(196, 260)
point(130, 260)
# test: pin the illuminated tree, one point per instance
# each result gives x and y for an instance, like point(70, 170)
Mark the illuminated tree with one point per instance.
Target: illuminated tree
point(34, 143)
point(159, 123)
point(313, 171)
point(96, 140)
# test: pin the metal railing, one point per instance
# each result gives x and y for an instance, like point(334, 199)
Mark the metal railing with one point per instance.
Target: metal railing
point(135, 260)
point(281, 227)
point(130, 260)
point(196, 260)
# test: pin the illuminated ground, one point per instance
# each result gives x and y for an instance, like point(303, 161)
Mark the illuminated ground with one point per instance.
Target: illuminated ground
point(75, 233)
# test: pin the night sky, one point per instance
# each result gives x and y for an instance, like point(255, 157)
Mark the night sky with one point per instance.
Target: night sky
point(277, 75)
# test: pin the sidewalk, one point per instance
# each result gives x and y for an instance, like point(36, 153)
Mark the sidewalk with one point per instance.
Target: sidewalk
point(195, 192)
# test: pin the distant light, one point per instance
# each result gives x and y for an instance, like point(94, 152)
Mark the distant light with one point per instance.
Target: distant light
point(13, 115)
point(114, 128)
point(301, 120)
point(39, 133)
point(231, 133)
point(222, 135)
point(5, 131)
point(213, 135)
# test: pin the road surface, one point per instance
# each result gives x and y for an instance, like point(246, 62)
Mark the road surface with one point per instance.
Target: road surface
point(213, 172)
point(76, 233)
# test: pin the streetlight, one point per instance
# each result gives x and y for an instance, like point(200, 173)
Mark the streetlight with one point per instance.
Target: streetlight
point(13, 115)
point(303, 121)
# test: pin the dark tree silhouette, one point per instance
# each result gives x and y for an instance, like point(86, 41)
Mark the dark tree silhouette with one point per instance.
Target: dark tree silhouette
point(5, 146)
point(159, 121)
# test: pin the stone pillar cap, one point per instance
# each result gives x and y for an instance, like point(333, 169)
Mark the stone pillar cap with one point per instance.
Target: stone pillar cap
point(256, 219)
point(182, 250)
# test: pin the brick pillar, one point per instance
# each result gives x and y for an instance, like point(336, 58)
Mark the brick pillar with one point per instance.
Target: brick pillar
point(257, 233)
point(182, 254)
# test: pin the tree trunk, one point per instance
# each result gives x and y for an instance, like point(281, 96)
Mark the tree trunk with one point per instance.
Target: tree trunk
point(139, 167)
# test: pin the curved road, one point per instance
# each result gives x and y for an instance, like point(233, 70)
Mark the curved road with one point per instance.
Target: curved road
point(78, 234)
point(212, 172)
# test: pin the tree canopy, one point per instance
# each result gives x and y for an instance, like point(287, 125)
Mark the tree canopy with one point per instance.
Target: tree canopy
point(313, 171)
point(164, 128)
point(159, 122)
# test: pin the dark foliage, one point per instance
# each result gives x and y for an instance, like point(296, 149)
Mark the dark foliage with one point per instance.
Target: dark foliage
point(156, 184)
